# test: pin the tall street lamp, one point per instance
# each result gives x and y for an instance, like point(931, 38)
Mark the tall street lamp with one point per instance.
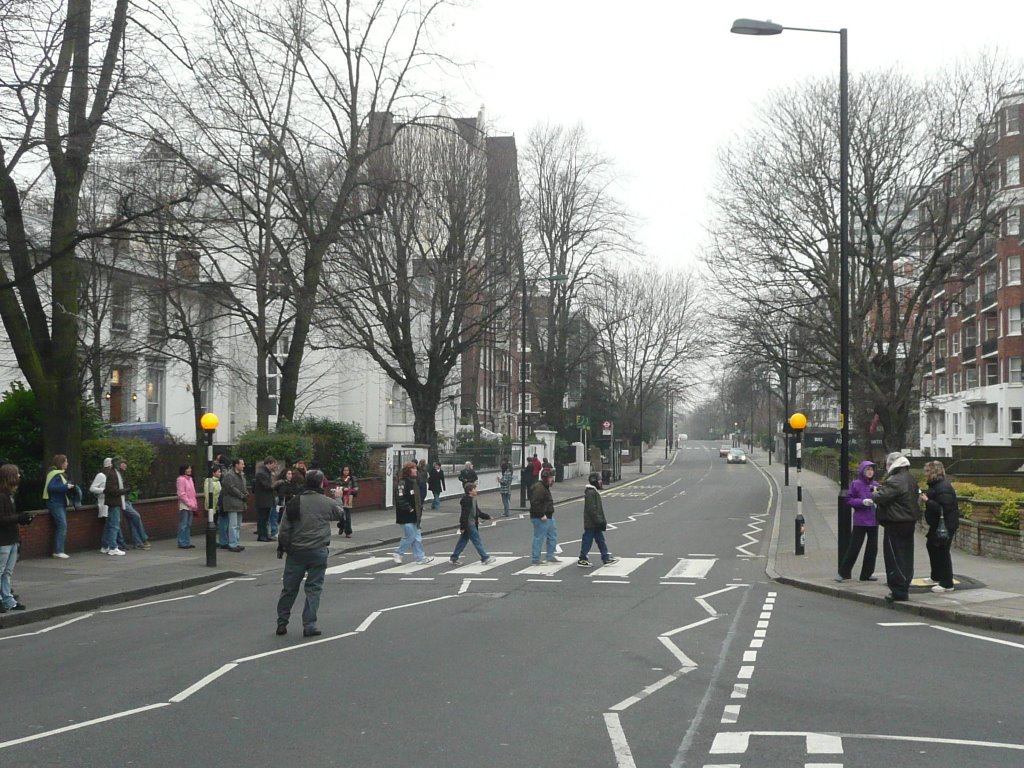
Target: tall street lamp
point(524, 283)
point(754, 27)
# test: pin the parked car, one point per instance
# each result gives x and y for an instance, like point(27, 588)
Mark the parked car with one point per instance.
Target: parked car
point(736, 456)
point(723, 451)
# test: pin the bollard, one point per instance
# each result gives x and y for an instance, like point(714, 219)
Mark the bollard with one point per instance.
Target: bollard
point(798, 421)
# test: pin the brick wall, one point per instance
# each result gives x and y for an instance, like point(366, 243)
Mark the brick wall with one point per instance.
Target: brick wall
point(989, 541)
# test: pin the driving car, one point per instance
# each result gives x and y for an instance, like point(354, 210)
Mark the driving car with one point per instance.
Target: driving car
point(723, 451)
point(736, 456)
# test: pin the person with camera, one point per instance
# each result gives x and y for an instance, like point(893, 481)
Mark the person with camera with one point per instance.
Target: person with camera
point(59, 493)
point(10, 535)
point(304, 536)
point(940, 506)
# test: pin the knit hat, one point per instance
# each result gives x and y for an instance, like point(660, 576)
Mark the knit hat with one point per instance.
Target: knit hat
point(108, 462)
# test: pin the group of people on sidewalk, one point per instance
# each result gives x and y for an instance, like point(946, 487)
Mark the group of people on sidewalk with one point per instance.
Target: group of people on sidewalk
point(897, 504)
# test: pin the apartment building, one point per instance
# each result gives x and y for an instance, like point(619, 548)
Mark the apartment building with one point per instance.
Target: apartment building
point(972, 392)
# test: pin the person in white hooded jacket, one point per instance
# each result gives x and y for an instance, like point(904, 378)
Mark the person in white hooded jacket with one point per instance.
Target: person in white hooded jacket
point(99, 483)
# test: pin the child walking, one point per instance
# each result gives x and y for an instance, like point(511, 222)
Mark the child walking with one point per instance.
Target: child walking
point(469, 525)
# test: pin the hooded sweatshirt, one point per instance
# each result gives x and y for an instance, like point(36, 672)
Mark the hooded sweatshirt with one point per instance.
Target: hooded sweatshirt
point(860, 489)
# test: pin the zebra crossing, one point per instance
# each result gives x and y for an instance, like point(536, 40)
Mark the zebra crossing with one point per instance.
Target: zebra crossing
point(680, 570)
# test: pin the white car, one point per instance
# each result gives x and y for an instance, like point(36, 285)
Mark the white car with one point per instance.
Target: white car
point(736, 456)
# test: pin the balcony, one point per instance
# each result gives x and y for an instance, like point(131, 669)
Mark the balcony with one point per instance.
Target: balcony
point(501, 378)
point(968, 353)
point(940, 363)
point(989, 347)
point(988, 299)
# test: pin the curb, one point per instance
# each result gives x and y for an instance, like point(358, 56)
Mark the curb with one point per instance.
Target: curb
point(52, 611)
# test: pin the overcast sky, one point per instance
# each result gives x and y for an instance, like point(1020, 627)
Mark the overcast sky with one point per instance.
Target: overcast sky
point(661, 84)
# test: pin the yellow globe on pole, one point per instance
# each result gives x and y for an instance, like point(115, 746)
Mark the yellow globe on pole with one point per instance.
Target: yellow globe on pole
point(798, 421)
point(209, 421)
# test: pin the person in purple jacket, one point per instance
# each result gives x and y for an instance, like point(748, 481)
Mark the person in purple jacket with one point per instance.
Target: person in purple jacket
point(865, 526)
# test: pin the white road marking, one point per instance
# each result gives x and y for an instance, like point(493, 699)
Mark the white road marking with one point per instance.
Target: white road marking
point(979, 637)
point(677, 630)
point(200, 684)
point(357, 578)
point(479, 567)
point(44, 630)
point(650, 554)
point(367, 622)
point(354, 565)
point(824, 744)
point(609, 581)
point(678, 583)
point(622, 567)
point(750, 656)
point(84, 724)
point(543, 569)
point(417, 578)
point(760, 632)
point(757, 643)
point(214, 588)
point(739, 691)
point(412, 567)
point(690, 568)
point(143, 605)
point(655, 686)
point(731, 713)
point(620, 747)
point(546, 581)
point(762, 625)
point(746, 672)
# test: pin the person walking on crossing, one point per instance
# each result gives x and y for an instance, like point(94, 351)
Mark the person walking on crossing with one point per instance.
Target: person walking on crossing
point(469, 527)
point(542, 516)
point(594, 523)
point(407, 515)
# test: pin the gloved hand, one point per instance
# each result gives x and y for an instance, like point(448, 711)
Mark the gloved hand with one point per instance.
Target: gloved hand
point(869, 502)
point(24, 518)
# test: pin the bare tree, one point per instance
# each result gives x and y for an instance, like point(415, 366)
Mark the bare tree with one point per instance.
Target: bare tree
point(276, 113)
point(653, 333)
point(921, 202)
point(572, 224)
point(429, 281)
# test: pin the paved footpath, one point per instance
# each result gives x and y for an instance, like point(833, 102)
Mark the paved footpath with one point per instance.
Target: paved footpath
point(88, 580)
point(989, 595)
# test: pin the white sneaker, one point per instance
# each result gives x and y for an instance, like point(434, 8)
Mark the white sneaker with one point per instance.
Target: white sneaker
point(558, 549)
point(104, 550)
point(116, 552)
point(397, 557)
point(939, 589)
point(61, 555)
point(490, 561)
point(425, 560)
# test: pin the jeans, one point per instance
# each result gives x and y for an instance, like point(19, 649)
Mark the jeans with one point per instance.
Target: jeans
point(234, 528)
point(184, 527)
point(471, 534)
point(591, 535)
point(59, 515)
point(436, 503)
point(8, 557)
point(411, 536)
point(112, 528)
point(504, 504)
point(544, 531)
point(345, 524)
point(223, 522)
point(274, 520)
point(134, 523)
point(308, 563)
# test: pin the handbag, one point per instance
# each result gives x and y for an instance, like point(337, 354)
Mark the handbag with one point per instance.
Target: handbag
point(941, 531)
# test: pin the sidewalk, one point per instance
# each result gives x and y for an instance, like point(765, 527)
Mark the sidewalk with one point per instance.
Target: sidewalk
point(90, 580)
point(989, 595)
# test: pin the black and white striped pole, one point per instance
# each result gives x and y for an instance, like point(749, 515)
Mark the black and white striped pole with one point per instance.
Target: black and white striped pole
point(797, 422)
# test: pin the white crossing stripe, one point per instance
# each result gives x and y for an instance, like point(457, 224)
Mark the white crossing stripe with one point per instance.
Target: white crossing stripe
point(479, 567)
point(355, 565)
point(731, 713)
point(546, 569)
point(413, 567)
point(623, 567)
point(690, 568)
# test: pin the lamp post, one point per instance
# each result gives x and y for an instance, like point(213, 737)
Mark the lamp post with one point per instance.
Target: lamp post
point(522, 377)
point(754, 27)
point(797, 422)
point(209, 423)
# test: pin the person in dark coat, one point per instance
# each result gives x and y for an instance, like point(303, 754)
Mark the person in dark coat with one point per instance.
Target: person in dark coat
point(865, 525)
point(594, 523)
point(940, 503)
point(10, 535)
point(898, 510)
point(469, 527)
point(407, 515)
point(542, 517)
point(467, 474)
point(435, 483)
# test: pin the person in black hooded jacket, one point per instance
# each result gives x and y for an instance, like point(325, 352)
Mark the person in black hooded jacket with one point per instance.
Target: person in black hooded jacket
point(940, 503)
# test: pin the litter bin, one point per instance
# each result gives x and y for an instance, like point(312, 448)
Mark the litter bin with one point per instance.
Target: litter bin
point(606, 476)
point(559, 472)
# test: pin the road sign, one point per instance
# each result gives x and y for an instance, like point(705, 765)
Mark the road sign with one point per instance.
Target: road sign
point(606, 428)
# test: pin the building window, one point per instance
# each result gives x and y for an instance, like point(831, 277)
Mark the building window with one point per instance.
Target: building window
point(969, 422)
point(120, 298)
point(157, 320)
point(956, 424)
point(956, 344)
point(1015, 371)
point(972, 377)
point(527, 371)
point(1012, 120)
point(991, 374)
point(1012, 171)
point(954, 383)
point(1013, 270)
point(1013, 320)
point(942, 385)
point(155, 392)
point(529, 402)
point(1012, 222)
point(970, 336)
point(1016, 422)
